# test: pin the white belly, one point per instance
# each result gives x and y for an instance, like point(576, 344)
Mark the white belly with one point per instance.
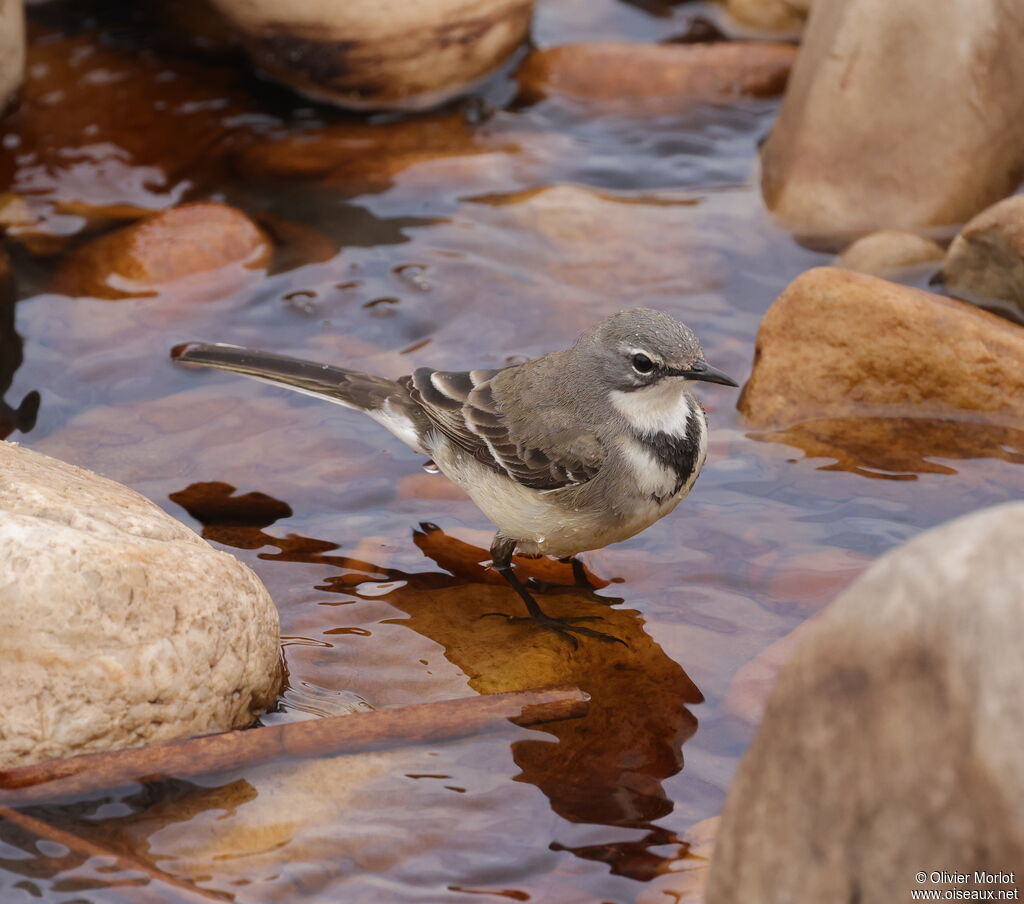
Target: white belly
point(545, 522)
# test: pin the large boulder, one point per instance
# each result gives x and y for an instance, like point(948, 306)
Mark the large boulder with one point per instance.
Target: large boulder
point(893, 742)
point(899, 116)
point(838, 343)
point(119, 626)
point(12, 49)
point(379, 54)
point(656, 78)
point(986, 260)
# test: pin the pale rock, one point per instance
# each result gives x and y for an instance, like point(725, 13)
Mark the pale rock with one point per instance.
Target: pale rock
point(893, 739)
point(12, 49)
point(882, 253)
point(898, 116)
point(379, 54)
point(770, 15)
point(119, 626)
point(986, 260)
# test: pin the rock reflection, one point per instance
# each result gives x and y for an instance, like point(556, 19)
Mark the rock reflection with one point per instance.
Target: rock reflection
point(22, 417)
point(606, 768)
point(899, 448)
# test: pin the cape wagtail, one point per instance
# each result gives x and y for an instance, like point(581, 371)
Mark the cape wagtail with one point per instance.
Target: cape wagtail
point(569, 452)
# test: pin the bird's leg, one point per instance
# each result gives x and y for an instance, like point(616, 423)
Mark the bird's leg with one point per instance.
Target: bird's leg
point(501, 557)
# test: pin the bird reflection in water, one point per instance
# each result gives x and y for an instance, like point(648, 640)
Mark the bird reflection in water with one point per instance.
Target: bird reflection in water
point(606, 768)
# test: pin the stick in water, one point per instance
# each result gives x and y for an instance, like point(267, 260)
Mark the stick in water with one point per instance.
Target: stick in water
point(391, 727)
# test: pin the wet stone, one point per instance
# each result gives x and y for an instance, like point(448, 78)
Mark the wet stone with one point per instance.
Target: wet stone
point(986, 260)
point(656, 78)
point(118, 625)
point(840, 344)
point(198, 251)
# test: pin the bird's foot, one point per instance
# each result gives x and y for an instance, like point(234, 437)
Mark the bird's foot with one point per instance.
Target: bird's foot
point(567, 627)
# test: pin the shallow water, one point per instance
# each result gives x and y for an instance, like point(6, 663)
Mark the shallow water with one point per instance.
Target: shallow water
point(474, 259)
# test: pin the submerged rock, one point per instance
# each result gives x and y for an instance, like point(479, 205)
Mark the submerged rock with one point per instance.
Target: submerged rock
point(881, 253)
point(656, 78)
point(893, 739)
point(364, 54)
point(12, 49)
point(200, 251)
point(986, 260)
point(840, 344)
point(119, 626)
point(898, 116)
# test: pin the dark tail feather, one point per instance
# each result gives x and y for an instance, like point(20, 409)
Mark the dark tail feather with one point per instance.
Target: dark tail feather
point(336, 384)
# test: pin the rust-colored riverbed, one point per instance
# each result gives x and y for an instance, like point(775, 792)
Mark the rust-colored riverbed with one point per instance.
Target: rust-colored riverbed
point(473, 237)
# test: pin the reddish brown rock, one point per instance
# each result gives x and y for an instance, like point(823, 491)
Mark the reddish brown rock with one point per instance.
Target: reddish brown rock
point(365, 156)
point(654, 78)
point(898, 116)
point(986, 260)
point(199, 251)
point(103, 134)
point(840, 344)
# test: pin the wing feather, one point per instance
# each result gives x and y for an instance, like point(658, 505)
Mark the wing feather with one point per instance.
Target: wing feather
point(464, 407)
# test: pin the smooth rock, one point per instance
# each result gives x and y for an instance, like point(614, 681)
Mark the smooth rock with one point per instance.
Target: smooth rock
point(986, 260)
point(837, 343)
point(893, 740)
point(198, 251)
point(380, 54)
point(12, 49)
point(656, 78)
point(119, 626)
point(881, 253)
point(898, 116)
point(770, 15)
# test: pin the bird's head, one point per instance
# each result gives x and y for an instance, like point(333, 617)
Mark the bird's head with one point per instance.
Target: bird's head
point(642, 348)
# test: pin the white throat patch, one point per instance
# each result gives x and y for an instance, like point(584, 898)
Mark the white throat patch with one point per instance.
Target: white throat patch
point(661, 408)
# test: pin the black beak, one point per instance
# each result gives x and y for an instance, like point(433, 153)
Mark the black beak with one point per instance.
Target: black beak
point(703, 371)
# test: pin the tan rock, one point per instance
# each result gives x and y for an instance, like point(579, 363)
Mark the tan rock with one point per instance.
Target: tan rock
point(838, 344)
point(380, 54)
point(12, 49)
point(198, 251)
point(656, 78)
point(770, 15)
point(118, 625)
point(986, 260)
point(881, 253)
point(898, 116)
point(892, 742)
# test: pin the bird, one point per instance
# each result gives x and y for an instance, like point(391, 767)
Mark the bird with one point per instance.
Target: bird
point(564, 453)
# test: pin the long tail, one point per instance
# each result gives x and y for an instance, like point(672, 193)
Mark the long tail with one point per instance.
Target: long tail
point(386, 401)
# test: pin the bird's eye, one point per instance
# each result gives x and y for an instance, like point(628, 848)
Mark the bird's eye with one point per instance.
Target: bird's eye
point(642, 364)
